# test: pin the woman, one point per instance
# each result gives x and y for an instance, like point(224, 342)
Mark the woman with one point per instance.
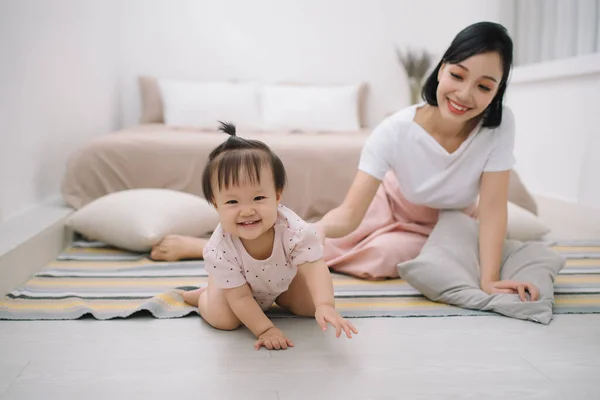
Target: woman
point(441, 154)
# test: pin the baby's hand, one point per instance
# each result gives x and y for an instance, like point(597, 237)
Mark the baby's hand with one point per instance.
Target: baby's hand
point(273, 338)
point(327, 314)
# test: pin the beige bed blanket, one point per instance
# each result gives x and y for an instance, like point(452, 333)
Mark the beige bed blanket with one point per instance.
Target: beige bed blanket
point(320, 167)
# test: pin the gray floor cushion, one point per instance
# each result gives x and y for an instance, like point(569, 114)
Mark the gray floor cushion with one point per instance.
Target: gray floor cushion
point(447, 270)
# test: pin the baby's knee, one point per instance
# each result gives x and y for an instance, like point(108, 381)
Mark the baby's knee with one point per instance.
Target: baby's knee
point(219, 321)
point(225, 325)
point(299, 308)
point(307, 310)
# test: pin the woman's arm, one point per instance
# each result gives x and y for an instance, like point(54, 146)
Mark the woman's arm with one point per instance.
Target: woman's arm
point(347, 217)
point(493, 217)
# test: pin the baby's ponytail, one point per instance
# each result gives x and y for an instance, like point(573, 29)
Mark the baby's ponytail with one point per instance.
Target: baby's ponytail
point(227, 127)
point(236, 156)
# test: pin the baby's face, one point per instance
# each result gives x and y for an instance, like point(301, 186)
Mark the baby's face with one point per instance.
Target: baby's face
point(248, 210)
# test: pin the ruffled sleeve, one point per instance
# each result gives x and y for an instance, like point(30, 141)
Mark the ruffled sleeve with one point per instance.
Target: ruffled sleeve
point(303, 245)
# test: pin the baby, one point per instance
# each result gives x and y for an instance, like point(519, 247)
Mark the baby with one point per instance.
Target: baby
point(261, 252)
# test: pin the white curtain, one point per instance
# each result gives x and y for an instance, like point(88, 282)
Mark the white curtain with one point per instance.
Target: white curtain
point(545, 30)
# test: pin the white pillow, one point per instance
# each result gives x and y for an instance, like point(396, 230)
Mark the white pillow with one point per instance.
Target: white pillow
point(311, 108)
point(137, 219)
point(202, 104)
point(524, 225)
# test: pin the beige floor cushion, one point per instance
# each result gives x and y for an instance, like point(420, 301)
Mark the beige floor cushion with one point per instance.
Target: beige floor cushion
point(523, 225)
point(519, 195)
point(137, 219)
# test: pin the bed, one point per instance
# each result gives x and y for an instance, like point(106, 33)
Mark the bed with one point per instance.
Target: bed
point(320, 167)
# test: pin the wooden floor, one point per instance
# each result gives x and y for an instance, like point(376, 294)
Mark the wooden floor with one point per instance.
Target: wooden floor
point(408, 358)
point(404, 358)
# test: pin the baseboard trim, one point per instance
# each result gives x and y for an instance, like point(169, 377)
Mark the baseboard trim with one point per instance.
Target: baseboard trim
point(30, 241)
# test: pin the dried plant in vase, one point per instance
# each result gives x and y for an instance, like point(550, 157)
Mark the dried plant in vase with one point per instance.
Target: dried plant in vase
point(416, 64)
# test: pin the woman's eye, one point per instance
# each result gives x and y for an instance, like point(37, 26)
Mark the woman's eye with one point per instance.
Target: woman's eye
point(484, 88)
point(456, 76)
point(259, 198)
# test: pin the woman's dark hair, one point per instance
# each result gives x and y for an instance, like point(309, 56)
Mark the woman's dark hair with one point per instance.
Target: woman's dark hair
point(481, 37)
point(238, 158)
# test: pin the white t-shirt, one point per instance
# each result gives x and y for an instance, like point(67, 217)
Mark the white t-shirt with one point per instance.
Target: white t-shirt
point(427, 174)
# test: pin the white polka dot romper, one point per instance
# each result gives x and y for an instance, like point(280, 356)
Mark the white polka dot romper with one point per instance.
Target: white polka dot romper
point(230, 265)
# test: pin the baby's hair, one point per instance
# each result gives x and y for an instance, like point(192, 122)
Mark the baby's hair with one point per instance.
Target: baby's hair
point(237, 159)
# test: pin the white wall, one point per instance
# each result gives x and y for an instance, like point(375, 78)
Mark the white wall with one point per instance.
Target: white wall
point(68, 72)
point(58, 77)
point(557, 110)
point(320, 41)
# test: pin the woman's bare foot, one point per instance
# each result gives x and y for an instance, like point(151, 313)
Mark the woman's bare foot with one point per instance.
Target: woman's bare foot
point(191, 296)
point(177, 247)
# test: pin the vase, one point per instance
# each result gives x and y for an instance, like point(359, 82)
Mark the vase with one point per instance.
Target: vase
point(415, 92)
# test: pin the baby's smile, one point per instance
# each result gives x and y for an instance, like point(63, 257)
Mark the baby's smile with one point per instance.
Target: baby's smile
point(249, 224)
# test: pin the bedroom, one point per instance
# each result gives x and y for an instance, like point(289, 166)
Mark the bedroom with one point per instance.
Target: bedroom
point(72, 77)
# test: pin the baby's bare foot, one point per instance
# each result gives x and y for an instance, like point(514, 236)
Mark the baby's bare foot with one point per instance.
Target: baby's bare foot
point(191, 296)
point(177, 247)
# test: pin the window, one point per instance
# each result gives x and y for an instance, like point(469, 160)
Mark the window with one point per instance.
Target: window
point(546, 30)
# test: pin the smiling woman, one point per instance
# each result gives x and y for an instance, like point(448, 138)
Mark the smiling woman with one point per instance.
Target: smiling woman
point(441, 154)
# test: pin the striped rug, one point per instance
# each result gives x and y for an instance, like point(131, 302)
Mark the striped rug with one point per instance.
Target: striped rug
point(108, 283)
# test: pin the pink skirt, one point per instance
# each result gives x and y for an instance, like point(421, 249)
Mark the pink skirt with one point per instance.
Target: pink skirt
point(393, 230)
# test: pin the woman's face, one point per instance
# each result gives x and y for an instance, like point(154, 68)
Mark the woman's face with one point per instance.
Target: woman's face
point(466, 89)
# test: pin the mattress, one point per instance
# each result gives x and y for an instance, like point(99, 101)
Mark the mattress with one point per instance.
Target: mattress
point(320, 166)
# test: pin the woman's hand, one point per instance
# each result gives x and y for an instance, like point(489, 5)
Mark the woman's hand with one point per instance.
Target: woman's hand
point(527, 291)
point(326, 314)
point(273, 339)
